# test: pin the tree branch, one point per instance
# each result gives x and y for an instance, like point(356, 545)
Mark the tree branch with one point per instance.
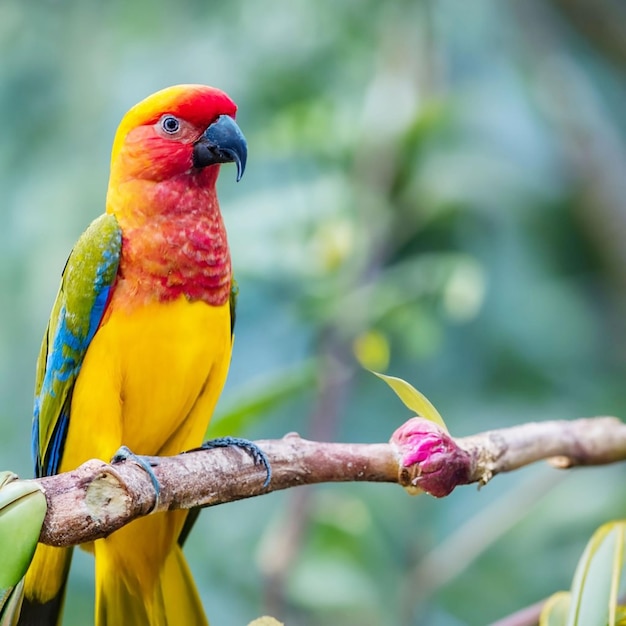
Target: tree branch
point(98, 498)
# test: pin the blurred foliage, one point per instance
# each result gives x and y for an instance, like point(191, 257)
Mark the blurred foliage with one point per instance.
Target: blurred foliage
point(597, 585)
point(446, 175)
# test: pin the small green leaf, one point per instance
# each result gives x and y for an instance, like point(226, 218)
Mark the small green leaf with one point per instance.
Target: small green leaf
point(413, 399)
point(556, 609)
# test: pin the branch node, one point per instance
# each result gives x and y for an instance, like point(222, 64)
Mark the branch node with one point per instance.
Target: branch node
point(561, 462)
point(292, 435)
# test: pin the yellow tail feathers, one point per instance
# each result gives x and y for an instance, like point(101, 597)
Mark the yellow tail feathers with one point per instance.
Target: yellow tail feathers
point(174, 600)
point(142, 578)
point(46, 575)
point(182, 602)
point(44, 586)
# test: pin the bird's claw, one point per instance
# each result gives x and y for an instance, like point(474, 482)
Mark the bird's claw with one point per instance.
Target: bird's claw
point(125, 454)
point(258, 456)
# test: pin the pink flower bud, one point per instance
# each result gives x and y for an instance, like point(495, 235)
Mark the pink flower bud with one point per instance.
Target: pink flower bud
point(430, 458)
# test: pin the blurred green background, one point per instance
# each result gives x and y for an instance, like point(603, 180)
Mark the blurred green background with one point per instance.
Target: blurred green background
point(442, 180)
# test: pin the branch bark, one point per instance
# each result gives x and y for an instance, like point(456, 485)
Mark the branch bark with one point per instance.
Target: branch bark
point(98, 498)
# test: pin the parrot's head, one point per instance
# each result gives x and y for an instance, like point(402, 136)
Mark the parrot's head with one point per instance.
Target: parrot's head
point(182, 132)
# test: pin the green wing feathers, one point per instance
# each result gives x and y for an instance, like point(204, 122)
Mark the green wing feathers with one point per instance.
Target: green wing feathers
point(87, 279)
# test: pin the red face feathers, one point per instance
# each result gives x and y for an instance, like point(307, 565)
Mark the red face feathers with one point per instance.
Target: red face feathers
point(164, 165)
point(179, 130)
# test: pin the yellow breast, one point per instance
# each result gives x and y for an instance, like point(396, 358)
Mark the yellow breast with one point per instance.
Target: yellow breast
point(150, 380)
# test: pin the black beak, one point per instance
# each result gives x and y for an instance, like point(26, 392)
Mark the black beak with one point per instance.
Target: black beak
point(221, 142)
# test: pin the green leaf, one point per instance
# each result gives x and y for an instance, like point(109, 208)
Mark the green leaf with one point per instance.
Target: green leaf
point(556, 609)
point(22, 511)
point(11, 604)
point(620, 616)
point(413, 399)
point(596, 581)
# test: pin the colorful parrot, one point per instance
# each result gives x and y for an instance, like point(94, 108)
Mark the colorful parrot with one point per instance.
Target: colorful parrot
point(138, 346)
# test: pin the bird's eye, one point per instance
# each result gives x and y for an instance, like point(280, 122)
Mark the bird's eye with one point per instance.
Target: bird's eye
point(170, 124)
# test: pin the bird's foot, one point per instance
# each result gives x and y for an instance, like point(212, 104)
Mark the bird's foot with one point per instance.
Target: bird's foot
point(125, 454)
point(258, 456)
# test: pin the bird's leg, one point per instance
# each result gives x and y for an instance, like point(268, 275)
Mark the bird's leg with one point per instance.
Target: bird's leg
point(125, 454)
point(258, 456)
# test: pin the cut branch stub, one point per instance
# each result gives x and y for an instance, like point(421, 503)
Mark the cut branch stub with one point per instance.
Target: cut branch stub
point(91, 502)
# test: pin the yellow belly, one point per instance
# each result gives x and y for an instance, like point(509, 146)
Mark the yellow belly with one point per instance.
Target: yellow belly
point(150, 380)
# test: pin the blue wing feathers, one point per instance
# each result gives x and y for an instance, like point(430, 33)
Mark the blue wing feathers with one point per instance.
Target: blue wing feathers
point(52, 458)
point(97, 311)
point(82, 300)
point(35, 439)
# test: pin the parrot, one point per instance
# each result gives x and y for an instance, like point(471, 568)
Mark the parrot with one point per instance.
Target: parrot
point(138, 346)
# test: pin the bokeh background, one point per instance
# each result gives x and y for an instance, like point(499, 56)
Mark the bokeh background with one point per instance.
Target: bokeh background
point(438, 185)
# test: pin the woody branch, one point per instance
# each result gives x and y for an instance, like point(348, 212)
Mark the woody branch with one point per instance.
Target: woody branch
point(98, 498)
